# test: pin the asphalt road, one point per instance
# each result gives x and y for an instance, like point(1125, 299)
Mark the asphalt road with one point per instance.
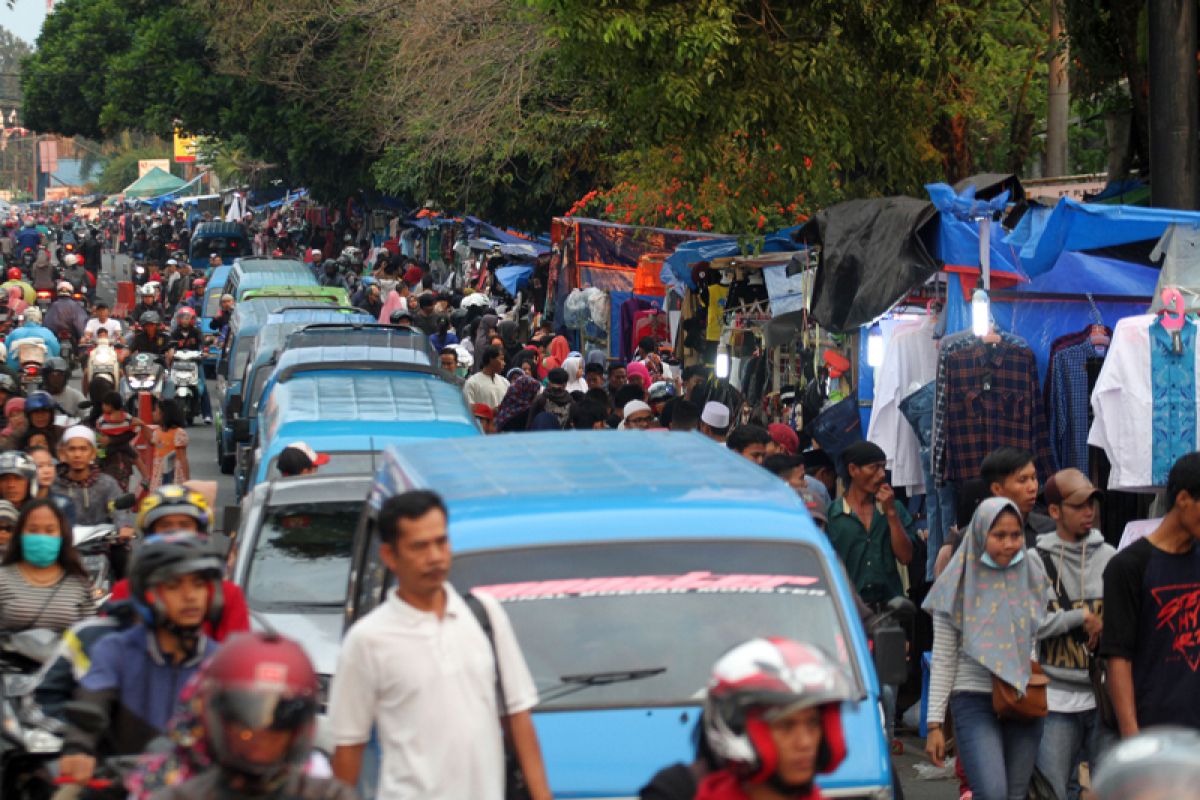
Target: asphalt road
point(202, 456)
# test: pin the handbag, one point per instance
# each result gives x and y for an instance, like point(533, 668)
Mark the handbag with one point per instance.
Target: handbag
point(838, 426)
point(514, 778)
point(1009, 704)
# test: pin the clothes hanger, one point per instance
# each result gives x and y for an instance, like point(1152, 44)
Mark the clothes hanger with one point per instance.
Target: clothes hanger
point(1172, 316)
point(1098, 333)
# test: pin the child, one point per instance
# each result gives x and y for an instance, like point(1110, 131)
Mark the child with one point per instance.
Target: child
point(170, 445)
point(115, 431)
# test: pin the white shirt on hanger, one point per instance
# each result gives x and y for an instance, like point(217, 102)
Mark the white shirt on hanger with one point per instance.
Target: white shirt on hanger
point(909, 359)
point(1123, 406)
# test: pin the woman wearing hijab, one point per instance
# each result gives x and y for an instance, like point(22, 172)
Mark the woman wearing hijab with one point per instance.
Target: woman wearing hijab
point(527, 360)
point(574, 368)
point(509, 335)
point(394, 301)
point(986, 607)
point(513, 413)
point(484, 333)
point(560, 349)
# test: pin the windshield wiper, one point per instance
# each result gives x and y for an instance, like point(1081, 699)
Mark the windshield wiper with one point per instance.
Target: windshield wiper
point(570, 684)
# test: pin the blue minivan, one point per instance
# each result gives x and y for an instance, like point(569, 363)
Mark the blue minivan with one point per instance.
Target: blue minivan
point(637, 559)
point(209, 310)
point(351, 403)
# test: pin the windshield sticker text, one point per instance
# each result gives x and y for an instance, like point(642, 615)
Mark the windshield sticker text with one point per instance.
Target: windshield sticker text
point(690, 583)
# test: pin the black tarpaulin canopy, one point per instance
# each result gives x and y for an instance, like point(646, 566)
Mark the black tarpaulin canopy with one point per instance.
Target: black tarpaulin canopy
point(873, 252)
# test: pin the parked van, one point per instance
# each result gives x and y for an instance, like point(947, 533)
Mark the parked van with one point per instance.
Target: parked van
point(352, 403)
point(255, 273)
point(628, 563)
point(229, 239)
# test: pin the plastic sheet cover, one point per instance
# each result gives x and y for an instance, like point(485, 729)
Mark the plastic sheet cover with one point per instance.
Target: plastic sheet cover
point(1040, 322)
point(873, 252)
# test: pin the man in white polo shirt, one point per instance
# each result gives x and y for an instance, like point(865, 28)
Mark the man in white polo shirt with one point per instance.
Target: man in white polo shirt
point(421, 668)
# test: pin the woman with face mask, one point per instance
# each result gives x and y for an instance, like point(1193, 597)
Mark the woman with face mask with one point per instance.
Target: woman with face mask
point(986, 607)
point(42, 581)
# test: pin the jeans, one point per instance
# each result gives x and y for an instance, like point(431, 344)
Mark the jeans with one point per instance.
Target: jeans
point(998, 756)
point(1067, 740)
point(940, 508)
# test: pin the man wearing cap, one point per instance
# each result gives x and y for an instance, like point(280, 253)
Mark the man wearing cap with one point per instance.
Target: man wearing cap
point(1073, 557)
point(300, 459)
point(80, 479)
point(214, 261)
point(637, 416)
point(714, 421)
point(867, 527)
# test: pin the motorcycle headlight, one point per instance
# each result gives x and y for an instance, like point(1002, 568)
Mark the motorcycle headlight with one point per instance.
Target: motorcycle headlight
point(40, 741)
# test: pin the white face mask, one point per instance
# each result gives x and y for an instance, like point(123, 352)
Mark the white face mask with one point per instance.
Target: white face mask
point(987, 559)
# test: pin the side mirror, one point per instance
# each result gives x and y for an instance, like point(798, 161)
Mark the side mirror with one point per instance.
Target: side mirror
point(123, 502)
point(233, 406)
point(891, 661)
point(231, 520)
point(241, 430)
point(902, 608)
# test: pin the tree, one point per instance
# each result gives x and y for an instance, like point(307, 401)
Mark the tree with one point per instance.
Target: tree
point(102, 66)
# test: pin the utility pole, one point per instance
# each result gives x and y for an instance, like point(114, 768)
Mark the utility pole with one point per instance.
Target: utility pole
point(1174, 104)
point(1059, 97)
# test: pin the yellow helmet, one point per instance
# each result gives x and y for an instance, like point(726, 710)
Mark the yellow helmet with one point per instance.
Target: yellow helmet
point(172, 499)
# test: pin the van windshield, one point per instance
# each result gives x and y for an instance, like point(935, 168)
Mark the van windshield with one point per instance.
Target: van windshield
point(630, 606)
point(302, 556)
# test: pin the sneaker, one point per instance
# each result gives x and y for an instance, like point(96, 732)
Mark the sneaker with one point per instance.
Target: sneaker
point(208, 420)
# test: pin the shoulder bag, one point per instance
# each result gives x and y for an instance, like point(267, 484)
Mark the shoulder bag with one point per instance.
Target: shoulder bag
point(514, 778)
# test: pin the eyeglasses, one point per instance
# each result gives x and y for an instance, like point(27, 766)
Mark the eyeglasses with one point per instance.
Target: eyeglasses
point(639, 422)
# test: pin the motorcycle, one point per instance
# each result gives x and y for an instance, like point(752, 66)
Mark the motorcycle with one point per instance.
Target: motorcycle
point(29, 740)
point(140, 273)
point(103, 362)
point(28, 257)
point(143, 373)
point(185, 377)
point(31, 356)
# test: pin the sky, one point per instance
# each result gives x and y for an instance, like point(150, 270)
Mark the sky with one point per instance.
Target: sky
point(25, 19)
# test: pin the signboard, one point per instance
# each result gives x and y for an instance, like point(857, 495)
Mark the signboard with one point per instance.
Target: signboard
point(147, 164)
point(48, 155)
point(185, 148)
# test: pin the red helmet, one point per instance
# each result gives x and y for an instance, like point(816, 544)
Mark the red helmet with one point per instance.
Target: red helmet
point(762, 678)
point(258, 682)
point(15, 274)
point(185, 312)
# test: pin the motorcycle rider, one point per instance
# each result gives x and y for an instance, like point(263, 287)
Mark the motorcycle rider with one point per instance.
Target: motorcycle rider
point(31, 328)
point(76, 274)
point(54, 377)
point(259, 732)
point(186, 335)
point(67, 314)
point(151, 338)
point(90, 490)
point(330, 276)
point(177, 509)
point(105, 320)
point(42, 274)
point(39, 413)
point(136, 675)
point(773, 716)
point(29, 236)
point(147, 303)
point(18, 477)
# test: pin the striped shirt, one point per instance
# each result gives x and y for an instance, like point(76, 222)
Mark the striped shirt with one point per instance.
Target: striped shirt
point(951, 670)
point(57, 607)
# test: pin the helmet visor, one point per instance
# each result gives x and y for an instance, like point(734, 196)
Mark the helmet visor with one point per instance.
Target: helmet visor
point(251, 710)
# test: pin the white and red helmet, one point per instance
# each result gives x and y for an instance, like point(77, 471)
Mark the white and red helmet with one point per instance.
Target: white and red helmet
point(764, 679)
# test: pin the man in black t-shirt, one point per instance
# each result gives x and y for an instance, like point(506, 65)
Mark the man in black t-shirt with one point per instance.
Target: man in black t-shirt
point(1152, 615)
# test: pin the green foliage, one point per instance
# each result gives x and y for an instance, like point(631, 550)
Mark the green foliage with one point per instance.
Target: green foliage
point(121, 169)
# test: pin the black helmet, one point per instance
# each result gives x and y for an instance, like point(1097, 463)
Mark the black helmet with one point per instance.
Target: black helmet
point(56, 364)
point(162, 558)
point(400, 314)
point(151, 318)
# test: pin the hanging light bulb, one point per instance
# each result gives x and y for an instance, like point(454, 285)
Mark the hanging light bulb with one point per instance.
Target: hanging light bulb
point(875, 349)
point(981, 317)
point(722, 365)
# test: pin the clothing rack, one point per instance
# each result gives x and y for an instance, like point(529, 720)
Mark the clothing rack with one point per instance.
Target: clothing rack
point(1068, 297)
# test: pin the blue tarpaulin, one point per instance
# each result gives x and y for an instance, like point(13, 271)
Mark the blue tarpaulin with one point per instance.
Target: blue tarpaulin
point(677, 269)
point(1041, 321)
point(513, 277)
point(1074, 226)
point(958, 229)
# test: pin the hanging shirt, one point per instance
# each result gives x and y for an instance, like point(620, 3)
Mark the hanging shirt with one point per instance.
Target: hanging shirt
point(1179, 249)
point(910, 358)
point(992, 399)
point(1144, 404)
point(1068, 409)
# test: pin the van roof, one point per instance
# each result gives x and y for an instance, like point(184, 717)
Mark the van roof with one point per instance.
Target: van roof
point(254, 264)
point(389, 397)
point(350, 356)
point(281, 277)
point(209, 229)
point(518, 473)
point(349, 332)
point(254, 312)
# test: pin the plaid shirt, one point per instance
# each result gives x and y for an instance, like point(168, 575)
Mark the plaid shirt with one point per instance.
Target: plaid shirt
point(993, 398)
point(1069, 413)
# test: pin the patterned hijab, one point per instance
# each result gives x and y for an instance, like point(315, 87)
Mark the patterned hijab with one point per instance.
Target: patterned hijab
point(517, 400)
point(996, 610)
